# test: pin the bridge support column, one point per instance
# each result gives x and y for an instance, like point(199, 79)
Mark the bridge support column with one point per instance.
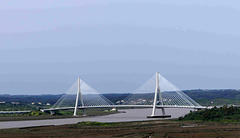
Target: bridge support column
point(52, 112)
point(163, 112)
point(157, 91)
point(84, 112)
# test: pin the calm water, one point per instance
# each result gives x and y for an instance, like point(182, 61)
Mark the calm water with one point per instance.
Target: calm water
point(130, 115)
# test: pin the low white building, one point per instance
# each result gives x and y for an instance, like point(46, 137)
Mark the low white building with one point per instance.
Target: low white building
point(15, 102)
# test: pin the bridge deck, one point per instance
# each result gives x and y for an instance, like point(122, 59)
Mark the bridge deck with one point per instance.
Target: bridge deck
point(124, 106)
point(14, 112)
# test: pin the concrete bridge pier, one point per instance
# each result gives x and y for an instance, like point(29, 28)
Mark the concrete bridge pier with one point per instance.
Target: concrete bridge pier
point(52, 112)
point(163, 112)
point(84, 112)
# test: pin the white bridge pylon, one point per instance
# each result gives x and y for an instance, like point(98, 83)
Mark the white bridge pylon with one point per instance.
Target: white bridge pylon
point(156, 93)
point(81, 95)
point(160, 93)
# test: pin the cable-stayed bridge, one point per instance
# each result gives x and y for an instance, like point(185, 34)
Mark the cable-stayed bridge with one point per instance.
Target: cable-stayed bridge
point(157, 92)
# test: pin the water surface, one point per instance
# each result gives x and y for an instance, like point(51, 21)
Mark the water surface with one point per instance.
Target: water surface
point(129, 115)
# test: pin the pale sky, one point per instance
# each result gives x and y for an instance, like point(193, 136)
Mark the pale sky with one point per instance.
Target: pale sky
point(116, 45)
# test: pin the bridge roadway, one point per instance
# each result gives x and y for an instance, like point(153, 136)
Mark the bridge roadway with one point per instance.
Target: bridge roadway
point(14, 112)
point(124, 106)
point(110, 106)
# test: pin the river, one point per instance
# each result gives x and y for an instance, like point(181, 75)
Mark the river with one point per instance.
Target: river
point(129, 115)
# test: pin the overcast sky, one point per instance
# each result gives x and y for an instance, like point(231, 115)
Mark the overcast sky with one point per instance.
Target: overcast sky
point(116, 45)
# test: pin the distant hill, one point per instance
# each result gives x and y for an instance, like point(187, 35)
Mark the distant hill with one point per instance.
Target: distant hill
point(203, 97)
point(26, 99)
point(215, 97)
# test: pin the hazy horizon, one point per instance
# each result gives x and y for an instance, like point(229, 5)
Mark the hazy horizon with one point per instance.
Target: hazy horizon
point(116, 45)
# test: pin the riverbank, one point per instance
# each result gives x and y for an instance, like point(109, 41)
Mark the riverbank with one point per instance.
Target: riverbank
point(58, 115)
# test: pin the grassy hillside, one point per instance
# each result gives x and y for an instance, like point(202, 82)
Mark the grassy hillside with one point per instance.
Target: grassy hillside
point(215, 97)
point(27, 99)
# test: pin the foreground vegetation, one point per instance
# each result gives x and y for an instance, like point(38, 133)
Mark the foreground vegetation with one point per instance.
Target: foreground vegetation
point(222, 114)
point(154, 129)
